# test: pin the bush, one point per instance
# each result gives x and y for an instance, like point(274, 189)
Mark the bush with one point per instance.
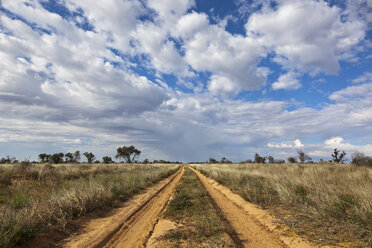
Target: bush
point(292, 160)
point(360, 159)
point(107, 160)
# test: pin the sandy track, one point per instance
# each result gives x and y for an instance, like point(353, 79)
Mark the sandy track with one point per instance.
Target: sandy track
point(131, 225)
point(254, 226)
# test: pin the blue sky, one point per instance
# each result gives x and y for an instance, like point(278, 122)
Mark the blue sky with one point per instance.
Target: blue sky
point(186, 79)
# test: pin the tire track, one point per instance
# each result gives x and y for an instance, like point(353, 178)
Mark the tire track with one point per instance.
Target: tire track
point(131, 225)
point(254, 226)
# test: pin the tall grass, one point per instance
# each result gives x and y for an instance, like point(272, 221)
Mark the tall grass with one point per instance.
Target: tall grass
point(40, 196)
point(325, 196)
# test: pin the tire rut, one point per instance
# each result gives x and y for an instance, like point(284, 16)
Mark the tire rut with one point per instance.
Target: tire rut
point(253, 226)
point(131, 225)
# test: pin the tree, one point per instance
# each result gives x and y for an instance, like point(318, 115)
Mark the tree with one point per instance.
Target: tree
point(43, 157)
point(8, 160)
point(77, 156)
point(128, 153)
point(225, 161)
point(292, 160)
point(69, 157)
point(338, 156)
point(212, 161)
point(146, 161)
point(57, 158)
point(107, 160)
point(90, 157)
point(302, 156)
point(271, 160)
point(258, 159)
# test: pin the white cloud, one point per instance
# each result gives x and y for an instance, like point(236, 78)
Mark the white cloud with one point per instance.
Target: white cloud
point(170, 10)
point(366, 77)
point(113, 19)
point(340, 144)
point(220, 85)
point(355, 91)
point(164, 57)
point(306, 35)
point(287, 144)
point(334, 141)
point(227, 56)
point(206, 48)
point(287, 81)
point(357, 100)
point(190, 24)
point(73, 75)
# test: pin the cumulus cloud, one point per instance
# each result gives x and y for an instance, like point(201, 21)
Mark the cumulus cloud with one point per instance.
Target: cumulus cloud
point(287, 81)
point(287, 144)
point(306, 35)
point(339, 143)
point(334, 141)
point(107, 19)
point(76, 76)
point(227, 56)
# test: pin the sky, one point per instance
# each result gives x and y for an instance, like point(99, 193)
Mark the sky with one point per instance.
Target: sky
point(186, 79)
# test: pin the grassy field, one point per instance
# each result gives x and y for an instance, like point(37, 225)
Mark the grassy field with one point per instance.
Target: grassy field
point(199, 223)
point(328, 203)
point(36, 197)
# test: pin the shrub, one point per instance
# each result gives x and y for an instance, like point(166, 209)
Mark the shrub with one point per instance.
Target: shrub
point(360, 159)
point(292, 160)
point(107, 160)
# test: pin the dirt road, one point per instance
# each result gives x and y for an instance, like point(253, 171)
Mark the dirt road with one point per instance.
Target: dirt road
point(254, 226)
point(131, 225)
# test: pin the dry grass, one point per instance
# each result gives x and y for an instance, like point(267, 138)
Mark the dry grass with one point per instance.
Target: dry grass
point(198, 222)
point(35, 197)
point(327, 202)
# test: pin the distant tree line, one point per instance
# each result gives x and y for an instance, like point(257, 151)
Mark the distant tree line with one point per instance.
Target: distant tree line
point(128, 154)
point(8, 160)
point(358, 158)
point(222, 161)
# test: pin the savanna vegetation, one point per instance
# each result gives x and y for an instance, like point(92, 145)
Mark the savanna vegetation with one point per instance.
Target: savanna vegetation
point(43, 196)
point(330, 203)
